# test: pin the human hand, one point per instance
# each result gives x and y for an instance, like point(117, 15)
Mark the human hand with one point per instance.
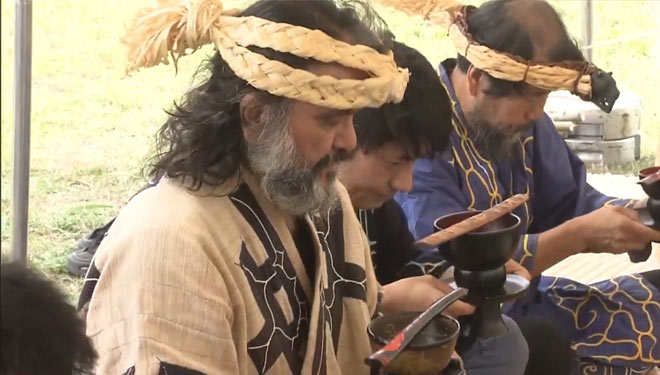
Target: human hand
point(414, 294)
point(615, 230)
point(513, 267)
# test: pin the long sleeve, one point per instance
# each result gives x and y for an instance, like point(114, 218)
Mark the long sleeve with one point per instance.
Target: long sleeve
point(560, 182)
point(559, 190)
point(170, 310)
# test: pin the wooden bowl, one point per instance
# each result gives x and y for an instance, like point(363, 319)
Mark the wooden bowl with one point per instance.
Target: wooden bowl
point(429, 352)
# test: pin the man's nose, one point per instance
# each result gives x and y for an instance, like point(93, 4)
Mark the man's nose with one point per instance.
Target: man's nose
point(345, 138)
point(403, 180)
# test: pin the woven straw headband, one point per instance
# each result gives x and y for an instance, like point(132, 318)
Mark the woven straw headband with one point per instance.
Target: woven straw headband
point(575, 76)
point(179, 27)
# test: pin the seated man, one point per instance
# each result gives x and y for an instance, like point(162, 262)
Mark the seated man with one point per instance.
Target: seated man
point(389, 139)
point(503, 144)
point(247, 257)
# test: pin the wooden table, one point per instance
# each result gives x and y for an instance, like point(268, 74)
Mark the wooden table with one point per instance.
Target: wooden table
point(588, 268)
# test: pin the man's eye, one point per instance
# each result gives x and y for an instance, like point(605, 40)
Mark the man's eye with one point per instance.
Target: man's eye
point(396, 163)
point(331, 122)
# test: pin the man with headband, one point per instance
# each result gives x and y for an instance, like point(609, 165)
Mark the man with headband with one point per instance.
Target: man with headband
point(246, 257)
point(389, 140)
point(511, 54)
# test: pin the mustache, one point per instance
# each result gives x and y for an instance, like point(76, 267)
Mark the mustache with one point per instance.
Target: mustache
point(331, 159)
point(292, 181)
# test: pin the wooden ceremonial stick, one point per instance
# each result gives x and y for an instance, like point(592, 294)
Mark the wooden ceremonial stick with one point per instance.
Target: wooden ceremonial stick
point(650, 179)
point(473, 222)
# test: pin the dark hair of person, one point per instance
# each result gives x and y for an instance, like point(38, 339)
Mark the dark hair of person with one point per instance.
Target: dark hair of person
point(40, 331)
point(202, 141)
point(519, 27)
point(420, 123)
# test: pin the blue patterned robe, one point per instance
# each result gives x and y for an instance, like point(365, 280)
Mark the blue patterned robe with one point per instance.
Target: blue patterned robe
point(610, 322)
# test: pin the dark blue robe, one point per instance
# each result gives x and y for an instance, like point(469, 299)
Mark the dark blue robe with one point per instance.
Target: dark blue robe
point(610, 322)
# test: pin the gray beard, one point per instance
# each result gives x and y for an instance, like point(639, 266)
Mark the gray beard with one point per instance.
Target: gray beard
point(497, 146)
point(286, 180)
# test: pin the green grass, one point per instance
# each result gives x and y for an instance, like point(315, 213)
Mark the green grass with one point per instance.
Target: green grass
point(92, 127)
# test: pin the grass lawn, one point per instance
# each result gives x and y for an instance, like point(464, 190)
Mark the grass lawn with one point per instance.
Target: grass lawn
point(92, 127)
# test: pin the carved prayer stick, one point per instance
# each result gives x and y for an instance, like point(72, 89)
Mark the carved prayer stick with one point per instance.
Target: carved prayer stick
point(473, 222)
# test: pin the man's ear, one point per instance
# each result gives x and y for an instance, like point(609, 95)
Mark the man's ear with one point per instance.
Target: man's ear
point(253, 113)
point(475, 79)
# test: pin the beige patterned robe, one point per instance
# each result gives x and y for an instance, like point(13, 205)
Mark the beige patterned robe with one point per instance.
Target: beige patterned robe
point(197, 282)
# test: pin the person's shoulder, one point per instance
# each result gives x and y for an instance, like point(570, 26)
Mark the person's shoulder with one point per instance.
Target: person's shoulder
point(170, 221)
point(170, 202)
point(545, 129)
point(437, 165)
point(171, 210)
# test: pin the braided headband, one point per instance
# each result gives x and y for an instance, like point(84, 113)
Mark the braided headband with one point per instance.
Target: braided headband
point(179, 27)
point(574, 76)
point(579, 77)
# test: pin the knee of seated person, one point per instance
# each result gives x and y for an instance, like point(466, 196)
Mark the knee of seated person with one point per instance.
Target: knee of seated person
point(505, 354)
point(550, 349)
point(515, 340)
point(513, 348)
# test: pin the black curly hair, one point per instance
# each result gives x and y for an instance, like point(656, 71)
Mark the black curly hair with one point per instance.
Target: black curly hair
point(420, 123)
point(40, 332)
point(202, 141)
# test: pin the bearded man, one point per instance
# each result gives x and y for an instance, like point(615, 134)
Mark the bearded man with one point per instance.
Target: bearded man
point(390, 139)
point(246, 257)
point(512, 53)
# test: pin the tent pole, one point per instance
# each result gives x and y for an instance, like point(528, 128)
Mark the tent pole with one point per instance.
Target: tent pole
point(22, 106)
point(587, 29)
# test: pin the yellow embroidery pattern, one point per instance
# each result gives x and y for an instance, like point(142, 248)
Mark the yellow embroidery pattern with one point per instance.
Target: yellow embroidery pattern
point(593, 369)
point(603, 336)
point(527, 255)
point(620, 202)
point(469, 159)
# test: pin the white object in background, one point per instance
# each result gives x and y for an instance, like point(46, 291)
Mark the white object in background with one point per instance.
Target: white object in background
point(595, 136)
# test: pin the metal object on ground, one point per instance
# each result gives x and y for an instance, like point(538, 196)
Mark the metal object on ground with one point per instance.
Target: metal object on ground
point(595, 136)
point(593, 151)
